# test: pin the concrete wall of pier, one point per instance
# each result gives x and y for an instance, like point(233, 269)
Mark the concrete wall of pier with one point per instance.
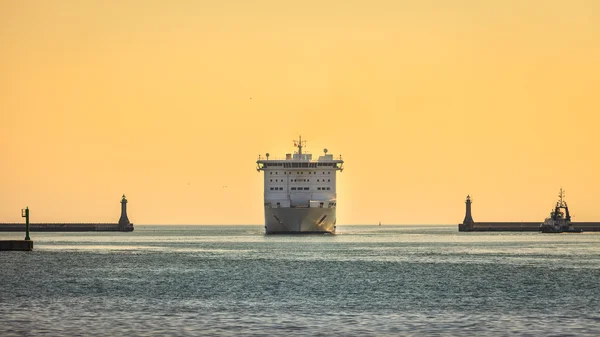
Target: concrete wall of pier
point(66, 227)
point(520, 226)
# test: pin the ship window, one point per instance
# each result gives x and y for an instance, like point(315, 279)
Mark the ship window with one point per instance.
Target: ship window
point(328, 188)
point(270, 172)
point(293, 188)
point(323, 172)
point(328, 172)
point(306, 188)
point(328, 179)
point(281, 188)
point(271, 188)
point(271, 180)
point(318, 188)
point(276, 172)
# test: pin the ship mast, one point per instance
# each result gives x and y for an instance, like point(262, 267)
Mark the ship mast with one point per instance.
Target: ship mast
point(561, 195)
point(299, 144)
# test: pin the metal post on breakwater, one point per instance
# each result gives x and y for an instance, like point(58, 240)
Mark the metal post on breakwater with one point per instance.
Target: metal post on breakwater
point(25, 214)
point(26, 244)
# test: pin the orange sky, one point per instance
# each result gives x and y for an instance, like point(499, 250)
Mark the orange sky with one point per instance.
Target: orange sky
point(427, 101)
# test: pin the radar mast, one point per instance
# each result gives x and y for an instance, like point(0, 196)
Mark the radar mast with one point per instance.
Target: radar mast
point(561, 197)
point(299, 144)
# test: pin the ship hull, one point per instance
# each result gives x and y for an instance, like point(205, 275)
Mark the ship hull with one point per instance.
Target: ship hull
point(550, 229)
point(299, 220)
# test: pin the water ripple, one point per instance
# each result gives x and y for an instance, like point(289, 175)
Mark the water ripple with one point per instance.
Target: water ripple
point(231, 281)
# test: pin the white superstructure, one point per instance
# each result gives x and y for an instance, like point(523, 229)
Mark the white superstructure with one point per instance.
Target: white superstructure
point(299, 192)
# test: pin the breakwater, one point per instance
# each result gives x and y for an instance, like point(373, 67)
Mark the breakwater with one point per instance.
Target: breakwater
point(25, 245)
point(122, 226)
point(468, 225)
point(66, 227)
point(520, 226)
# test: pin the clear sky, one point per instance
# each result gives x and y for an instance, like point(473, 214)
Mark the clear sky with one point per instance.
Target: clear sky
point(427, 101)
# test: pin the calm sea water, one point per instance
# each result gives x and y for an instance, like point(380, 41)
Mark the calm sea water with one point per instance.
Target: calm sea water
point(364, 281)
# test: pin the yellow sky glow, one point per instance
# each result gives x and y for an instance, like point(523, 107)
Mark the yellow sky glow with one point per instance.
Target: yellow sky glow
point(427, 101)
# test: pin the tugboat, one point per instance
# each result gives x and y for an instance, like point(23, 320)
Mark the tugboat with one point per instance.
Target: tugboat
point(559, 222)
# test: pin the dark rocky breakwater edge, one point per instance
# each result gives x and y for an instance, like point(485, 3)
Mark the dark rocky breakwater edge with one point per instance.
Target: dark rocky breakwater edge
point(469, 225)
point(123, 225)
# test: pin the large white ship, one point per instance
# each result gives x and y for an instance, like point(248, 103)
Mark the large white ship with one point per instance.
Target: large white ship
point(300, 193)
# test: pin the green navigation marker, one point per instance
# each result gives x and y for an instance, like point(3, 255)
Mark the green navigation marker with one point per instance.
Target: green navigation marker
point(25, 214)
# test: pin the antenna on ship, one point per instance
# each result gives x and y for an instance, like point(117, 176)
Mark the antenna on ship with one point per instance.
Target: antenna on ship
point(561, 196)
point(299, 144)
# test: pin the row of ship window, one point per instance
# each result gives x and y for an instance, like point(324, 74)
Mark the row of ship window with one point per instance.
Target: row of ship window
point(299, 172)
point(299, 180)
point(299, 164)
point(300, 188)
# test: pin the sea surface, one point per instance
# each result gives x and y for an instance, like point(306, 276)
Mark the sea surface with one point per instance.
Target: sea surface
point(363, 281)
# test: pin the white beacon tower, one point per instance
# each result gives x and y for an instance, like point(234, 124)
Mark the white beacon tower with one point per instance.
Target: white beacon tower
point(299, 192)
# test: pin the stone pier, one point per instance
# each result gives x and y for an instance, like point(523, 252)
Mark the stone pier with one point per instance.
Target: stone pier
point(16, 245)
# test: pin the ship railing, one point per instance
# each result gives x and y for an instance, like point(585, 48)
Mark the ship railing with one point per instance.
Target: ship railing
point(264, 158)
point(271, 158)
